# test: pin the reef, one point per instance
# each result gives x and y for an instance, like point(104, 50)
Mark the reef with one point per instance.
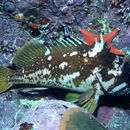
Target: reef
point(47, 20)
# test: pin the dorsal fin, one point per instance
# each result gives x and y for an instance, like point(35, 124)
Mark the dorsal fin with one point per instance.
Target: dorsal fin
point(73, 42)
point(28, 52)
point(33, 49)
point(68, 43)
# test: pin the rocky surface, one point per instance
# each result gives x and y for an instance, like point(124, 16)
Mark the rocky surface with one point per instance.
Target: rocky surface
point(114, 118)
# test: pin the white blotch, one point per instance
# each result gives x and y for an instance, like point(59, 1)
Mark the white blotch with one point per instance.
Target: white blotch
point(23, 71)
point(64, 55)
point(49, 58)
point(98, 47)
point(47, 51)
point(96, 70)
point(86, 84)
point(46, 71)
point(116, 60)
point(39, 72)
point(119, 87)
point(67, 80)
point(49, 65)
point(90, 79)
point(73, 53)
point(117, 70)
point(85, 60)
point(98, 92)
point(62, 65)
point(71, 76)
point(85, 54)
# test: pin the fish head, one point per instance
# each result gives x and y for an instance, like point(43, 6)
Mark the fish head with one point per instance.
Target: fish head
point(114, 77)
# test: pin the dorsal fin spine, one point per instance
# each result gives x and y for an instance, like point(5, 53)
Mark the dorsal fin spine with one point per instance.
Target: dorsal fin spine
point(77, 41)
point(63, 43)
point(71, 42)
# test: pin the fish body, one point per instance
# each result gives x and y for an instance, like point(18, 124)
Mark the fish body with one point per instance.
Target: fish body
point(70, 64)
point(67, 68)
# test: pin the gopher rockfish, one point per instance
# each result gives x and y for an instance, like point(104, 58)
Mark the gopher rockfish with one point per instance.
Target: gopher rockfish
point(71, 64)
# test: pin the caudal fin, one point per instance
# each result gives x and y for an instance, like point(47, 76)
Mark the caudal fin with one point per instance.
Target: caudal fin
point(3, 79)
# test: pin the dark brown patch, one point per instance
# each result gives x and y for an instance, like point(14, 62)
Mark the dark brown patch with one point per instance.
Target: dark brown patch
point(26, 126)
point(76, 82)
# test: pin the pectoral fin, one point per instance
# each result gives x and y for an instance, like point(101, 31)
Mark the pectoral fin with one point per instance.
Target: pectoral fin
point(89, 100)
point(90, 105)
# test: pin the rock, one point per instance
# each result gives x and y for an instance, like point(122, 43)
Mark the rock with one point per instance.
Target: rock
point(9, 6)
point(114, 118)
point(59, 3)
point(9, 32)
point(46, 115)
point(76, 119)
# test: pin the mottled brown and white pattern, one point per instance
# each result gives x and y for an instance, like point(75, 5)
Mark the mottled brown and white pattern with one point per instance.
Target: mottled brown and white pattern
point(79, 68)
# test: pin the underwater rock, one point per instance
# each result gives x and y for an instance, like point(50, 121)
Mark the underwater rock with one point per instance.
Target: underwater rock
point(86, 16)
point(10, 112)
point(114, 118)
point(35, 2)
point(9, 6)
point(78, 2)
point(124, 41)
point(46, 115)
point(23, 6)
point(59, 3)
point(105, 114)
point(10, 31)
point(75, 119)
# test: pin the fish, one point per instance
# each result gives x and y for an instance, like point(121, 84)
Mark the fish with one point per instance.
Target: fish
point(69, 63)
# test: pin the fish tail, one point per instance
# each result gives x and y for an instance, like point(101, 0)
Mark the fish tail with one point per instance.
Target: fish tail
point(4, 84)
